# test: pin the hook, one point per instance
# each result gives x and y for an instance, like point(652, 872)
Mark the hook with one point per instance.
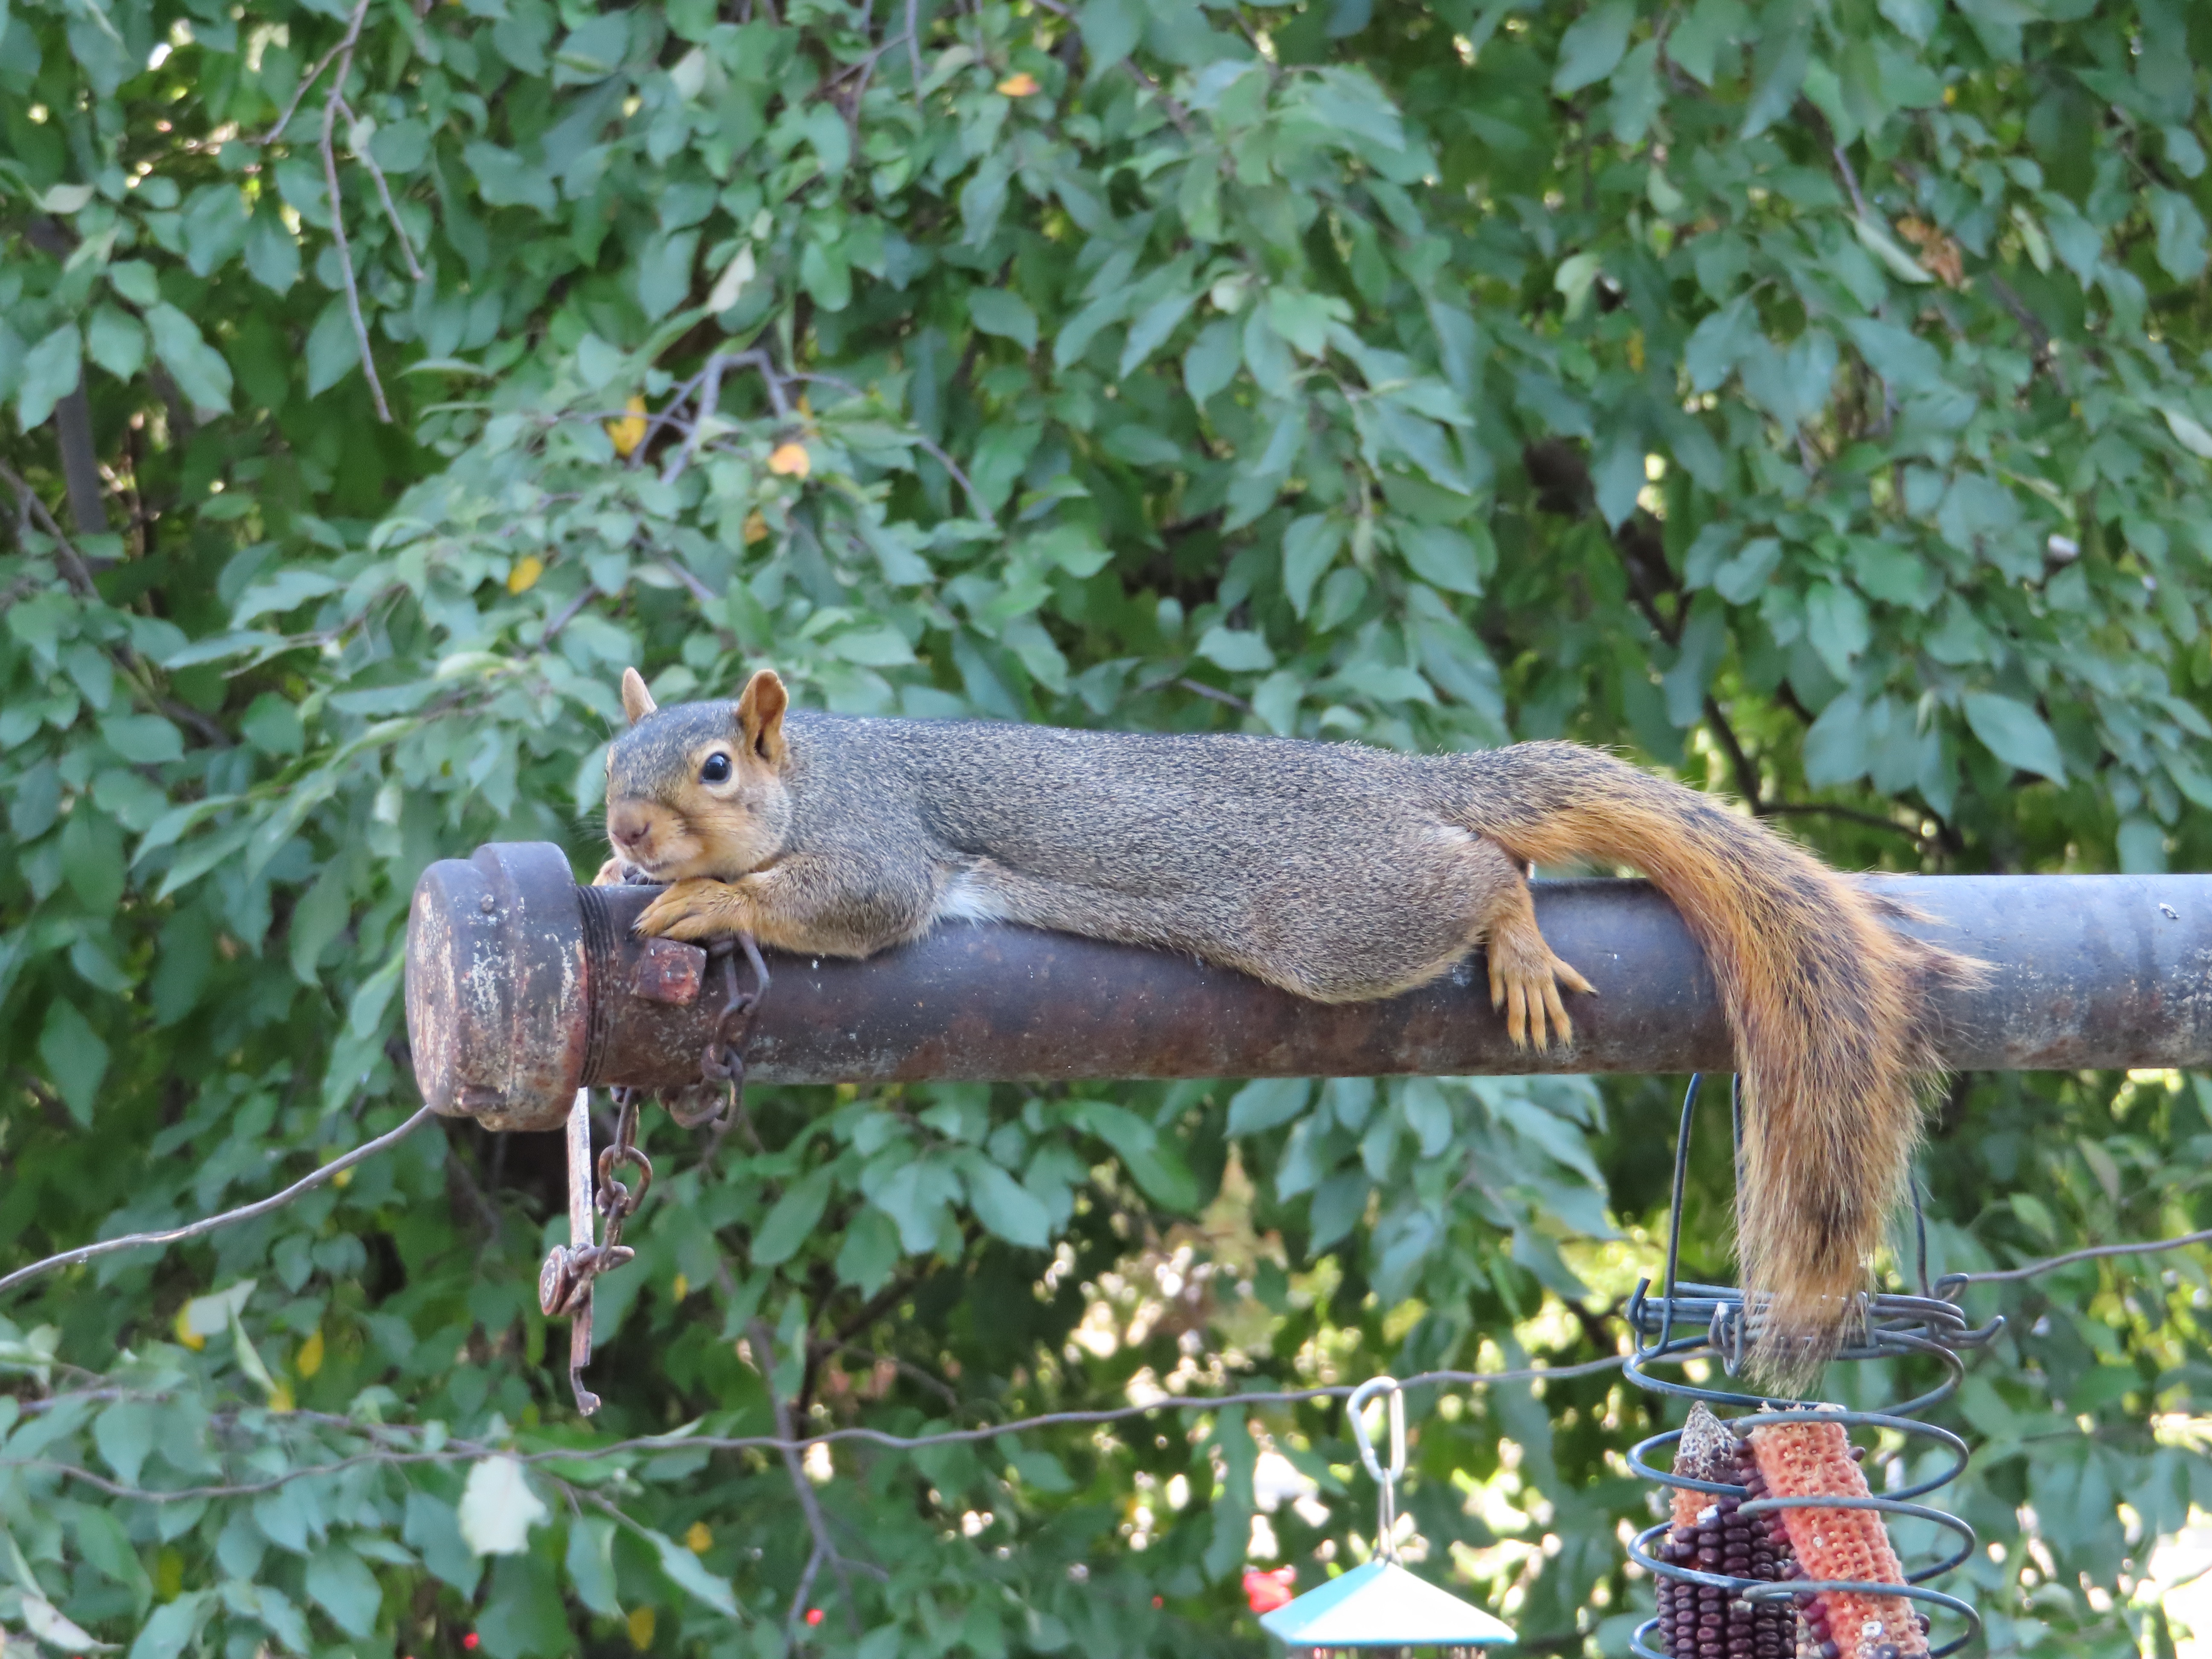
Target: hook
point(1386, 1535)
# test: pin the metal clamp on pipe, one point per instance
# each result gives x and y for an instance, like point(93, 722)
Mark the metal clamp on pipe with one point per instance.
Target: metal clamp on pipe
point(522, 987)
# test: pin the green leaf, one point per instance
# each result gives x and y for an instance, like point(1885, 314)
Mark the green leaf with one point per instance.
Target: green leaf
point(44, 1621)
point(1717, 343)
point(50, 373)
point(1878, 242)
point(592, 1565)
point(869, 1253)
point(505, 179)
point(1310, 547)
point(333, 352)
point(1837, 623)
point(2188, 432)
point(874, 647)
point(1778, 66)
point(214, 227)
point(76, 1059)
point(522, 1616)
point(432, 1529)
point(1111, 31)
point(1005, 1206)
point(1259, 1107)
point(271, 1609)
point(792, 1219)
point(1592, 46)
point(125, 1434)
point(1151, 330)
point(114, 340)
point(143, 740)
point(1908, 362)
point(171, 1626)
point(685, 1570)
point(1835, 745)
point(1238, 650)
point(272, 254)
point(2014, 733)
point(664, 276)
point(106, 1546)
point(134, 279)
point(198, 367)
point(2180, 231)
point(339, 1582)
point(996, 311)
point(1212, 359)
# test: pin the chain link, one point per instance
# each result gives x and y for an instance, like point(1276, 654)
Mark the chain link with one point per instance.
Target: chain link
point(564, 1283)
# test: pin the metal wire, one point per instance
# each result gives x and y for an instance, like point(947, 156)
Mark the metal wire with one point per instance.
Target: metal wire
point(1717, 1326)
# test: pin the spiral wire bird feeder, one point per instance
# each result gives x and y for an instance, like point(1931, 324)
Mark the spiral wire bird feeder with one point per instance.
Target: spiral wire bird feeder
point(1713, 1604)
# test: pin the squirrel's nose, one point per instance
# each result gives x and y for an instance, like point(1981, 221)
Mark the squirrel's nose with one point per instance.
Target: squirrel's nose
point(628, 828)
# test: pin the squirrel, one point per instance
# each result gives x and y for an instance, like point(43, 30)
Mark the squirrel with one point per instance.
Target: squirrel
point(1335, 871)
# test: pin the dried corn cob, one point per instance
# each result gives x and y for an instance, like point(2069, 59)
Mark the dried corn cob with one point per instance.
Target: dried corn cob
point(1700, 1621)
point(1813, 1457)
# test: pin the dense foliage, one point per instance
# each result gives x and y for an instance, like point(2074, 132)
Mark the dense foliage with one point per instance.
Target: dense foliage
point(1810, 399)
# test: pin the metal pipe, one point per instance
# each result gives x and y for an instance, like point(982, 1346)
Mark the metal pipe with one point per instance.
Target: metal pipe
point(522, 987)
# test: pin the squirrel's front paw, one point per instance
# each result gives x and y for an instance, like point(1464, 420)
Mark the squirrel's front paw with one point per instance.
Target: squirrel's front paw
point(613, 873)
point(693, 909)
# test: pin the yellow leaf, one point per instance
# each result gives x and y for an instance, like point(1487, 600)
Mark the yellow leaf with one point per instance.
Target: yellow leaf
point(630, 433)
point(520, 579)
point(790, 461)
point(1636, 352)
point(309, 1359)
point(681, 1288)
point(755, 527)
point(280, 1397)
point(698, 1540)
point(1020, 84)
point(342, 1179)
point(169, 1574)
point(186, 1334)
point(640, 1628)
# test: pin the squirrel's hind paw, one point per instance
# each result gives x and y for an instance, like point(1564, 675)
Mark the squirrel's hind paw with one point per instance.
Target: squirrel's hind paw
point(1525, 978)
point(692, 910)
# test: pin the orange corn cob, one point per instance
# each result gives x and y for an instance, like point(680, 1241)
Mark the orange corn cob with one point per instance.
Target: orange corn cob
point(1813, 1458)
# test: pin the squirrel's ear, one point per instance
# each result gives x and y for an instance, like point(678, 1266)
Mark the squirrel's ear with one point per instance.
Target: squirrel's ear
point(760, 715)
point(637, 702)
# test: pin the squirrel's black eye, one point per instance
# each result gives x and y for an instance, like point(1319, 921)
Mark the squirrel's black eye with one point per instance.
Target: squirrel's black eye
point(716, 770)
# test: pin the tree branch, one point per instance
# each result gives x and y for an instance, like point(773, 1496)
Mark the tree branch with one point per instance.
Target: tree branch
point(345, 45)
point(810, 1504)
point(74, 570)
point(383, 193)
point(73, 413)
point(345, 49)
point(1745, 767)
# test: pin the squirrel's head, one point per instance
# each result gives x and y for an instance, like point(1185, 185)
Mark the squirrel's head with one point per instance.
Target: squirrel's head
point(698, 789)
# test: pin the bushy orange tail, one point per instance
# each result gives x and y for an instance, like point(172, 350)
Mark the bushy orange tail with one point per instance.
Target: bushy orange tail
point(1826, 1001)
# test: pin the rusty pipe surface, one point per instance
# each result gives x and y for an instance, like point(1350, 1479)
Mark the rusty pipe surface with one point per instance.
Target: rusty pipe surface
point(522, 987)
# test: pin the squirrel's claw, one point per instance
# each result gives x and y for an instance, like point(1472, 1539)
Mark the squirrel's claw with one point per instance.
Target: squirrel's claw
point(691, 910)
point(1525, 984)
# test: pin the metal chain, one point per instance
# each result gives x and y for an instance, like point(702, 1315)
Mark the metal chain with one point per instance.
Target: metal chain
point(564, 1283)
point(722, 1063)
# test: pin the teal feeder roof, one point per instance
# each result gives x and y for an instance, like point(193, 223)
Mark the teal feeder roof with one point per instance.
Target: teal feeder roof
point(1381, 1605)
